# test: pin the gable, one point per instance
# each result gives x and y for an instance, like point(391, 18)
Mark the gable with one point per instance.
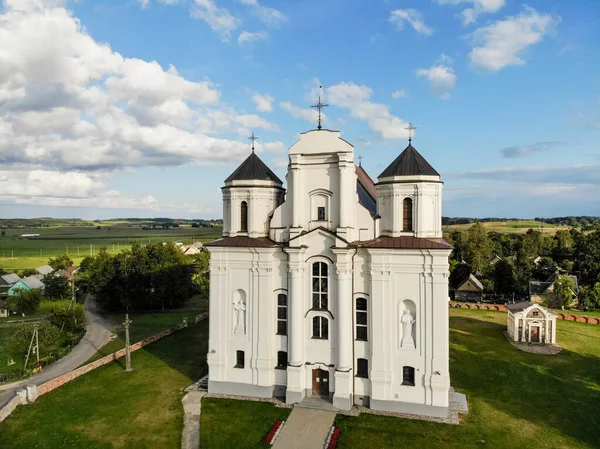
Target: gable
point(319, 241)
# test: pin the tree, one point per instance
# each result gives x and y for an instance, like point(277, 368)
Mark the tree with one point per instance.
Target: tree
point(62, 262)
point(57, 286)
point(586, 254)
point(71, 318)
point(478, 248)
point(564, 287)
point(201, 262)
point(25, 301)
point(3, 232)
point(20, 339)
point(459, 274)
point(505, 279)
point(28, 272)
point(590, 296)
point(564, 240)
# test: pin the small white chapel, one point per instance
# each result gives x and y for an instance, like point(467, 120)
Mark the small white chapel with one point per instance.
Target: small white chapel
point(337, 287)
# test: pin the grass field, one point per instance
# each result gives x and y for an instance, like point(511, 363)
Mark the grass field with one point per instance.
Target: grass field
point(516, 399)
point(8, 324)
point(147, 324)
point(222, 420)
point(511, 227)
point(18, 253)
point(109, 408)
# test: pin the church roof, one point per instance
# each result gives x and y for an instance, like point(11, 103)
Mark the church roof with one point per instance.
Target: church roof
point(243, 242)
point(404, 242)
point(367, 194)
point(253, 168)
point(409, 163)
point(519, 306)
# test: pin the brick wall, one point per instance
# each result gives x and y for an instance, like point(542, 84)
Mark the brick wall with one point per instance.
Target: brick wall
point(500, 308)
point(61, 380)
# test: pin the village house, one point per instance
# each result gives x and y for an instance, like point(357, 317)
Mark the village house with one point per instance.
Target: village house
point(471, 289)
point(28, 283)
point(543, 292)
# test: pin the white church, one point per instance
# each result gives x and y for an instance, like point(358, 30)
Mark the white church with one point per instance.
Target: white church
point(337, 288)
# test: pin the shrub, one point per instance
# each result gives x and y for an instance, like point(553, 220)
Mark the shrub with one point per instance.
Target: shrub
point(25, 301)
point(72, 317)
point(20, 339)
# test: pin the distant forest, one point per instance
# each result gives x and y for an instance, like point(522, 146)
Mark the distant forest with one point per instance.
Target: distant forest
point(582, 221)
point(47, 222)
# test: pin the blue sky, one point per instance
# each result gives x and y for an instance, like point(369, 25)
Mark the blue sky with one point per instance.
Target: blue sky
point(142, 108)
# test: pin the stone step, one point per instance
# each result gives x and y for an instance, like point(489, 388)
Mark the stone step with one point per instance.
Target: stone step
point(316, 404)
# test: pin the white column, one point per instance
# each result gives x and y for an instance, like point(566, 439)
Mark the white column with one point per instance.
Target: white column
point(346, 191)
point(516, 329)
point(554, 331)
point(343, 317)
point(297, 190)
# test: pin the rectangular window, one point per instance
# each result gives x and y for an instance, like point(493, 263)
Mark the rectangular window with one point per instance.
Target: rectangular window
point(320, 285)
point(320, 214)
point(362, 368)
point(281, 360)
point(239, 358)
point(361, 319)
point(282, 314)
point(408, 376)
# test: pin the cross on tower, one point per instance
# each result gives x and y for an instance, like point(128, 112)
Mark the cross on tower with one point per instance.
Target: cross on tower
point(319, 106)
point(253, 138)
point(360, 158)
point(410, 129)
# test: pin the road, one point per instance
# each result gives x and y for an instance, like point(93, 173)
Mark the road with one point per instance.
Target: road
point(98, 330)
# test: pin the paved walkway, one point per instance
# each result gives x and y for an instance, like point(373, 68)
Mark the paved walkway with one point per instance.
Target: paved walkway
point(98, 330)
point(306, 428)
point(190, 437)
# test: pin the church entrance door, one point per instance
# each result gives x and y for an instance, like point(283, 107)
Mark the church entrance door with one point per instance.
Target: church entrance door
point(320, 386)
point(535, 334)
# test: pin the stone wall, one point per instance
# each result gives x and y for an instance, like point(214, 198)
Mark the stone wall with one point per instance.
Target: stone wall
point(500, 308)
point(30, 395)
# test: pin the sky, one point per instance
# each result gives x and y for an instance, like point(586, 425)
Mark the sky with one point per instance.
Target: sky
point(142, 108)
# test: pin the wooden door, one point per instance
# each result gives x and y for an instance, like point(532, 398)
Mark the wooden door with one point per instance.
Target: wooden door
point(324, 383)
point(535, 334)
point(316, 382)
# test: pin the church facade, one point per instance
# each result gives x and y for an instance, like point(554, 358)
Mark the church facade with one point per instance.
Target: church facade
point(337, 288)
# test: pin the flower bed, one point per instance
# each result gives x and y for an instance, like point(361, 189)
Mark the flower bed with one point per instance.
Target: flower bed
point(334, 434)
point(274, 433)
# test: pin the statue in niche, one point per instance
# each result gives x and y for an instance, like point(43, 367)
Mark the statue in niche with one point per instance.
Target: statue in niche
point(407, 330)
point(240, 316)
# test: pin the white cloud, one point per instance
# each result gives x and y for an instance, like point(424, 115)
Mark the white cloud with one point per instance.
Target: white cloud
point(310, 115)
point(264, 103)
point(502, 43)
point(219, 19)
point(356, 99)
point(413, 17)
point(269, 16)
point(469, 15)
point(442, 79)
point(398, 94)
point(246, 36)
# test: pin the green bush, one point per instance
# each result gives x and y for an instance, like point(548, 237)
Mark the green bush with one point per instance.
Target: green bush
point(25, 301)
point(20, 339)
point(70, 318)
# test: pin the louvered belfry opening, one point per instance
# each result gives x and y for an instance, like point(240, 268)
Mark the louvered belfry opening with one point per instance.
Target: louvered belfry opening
point(407, 215)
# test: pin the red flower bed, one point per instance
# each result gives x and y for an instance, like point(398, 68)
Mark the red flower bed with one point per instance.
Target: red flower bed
point(271, 435)
point(334, 437)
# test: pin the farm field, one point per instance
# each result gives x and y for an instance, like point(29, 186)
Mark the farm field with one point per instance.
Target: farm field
point(511, 227)
point(18, 253)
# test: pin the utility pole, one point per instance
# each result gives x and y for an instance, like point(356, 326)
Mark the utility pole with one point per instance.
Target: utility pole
point(127, 349)
point(34, 336)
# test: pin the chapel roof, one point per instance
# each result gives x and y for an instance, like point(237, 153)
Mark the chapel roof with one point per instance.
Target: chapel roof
point(518, 306)
point(253, 168)
point(409, 163)
point(365, 188)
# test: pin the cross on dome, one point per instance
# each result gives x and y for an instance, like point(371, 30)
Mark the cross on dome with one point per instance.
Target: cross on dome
point(410, 129)
point(253, 138)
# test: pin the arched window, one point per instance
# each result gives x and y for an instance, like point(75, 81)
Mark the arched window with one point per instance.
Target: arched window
point(320, 328)
point(407, 215)
point(282, 314)
point(319, 285)
point(408, 376)
point(244, 217)
point(361, 319)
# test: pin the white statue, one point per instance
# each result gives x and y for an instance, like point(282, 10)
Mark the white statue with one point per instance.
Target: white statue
point(240, 316)
point(407, 330)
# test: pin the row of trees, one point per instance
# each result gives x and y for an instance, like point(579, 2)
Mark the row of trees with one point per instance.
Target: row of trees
point(572, 251)
point(146, 277)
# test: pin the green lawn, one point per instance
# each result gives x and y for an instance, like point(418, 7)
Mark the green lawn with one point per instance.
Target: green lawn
point(227, 423)
point(516, 399)
point(17, 253)
point(109, 408)
point(147, 324)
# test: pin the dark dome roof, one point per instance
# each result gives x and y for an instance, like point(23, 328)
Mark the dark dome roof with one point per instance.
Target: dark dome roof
point(409, 163)
point(253, 168)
